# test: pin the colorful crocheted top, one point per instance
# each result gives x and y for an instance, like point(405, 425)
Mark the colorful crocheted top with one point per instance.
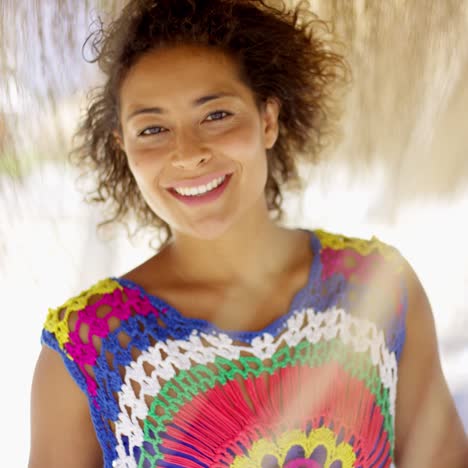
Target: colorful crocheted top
point(315, 388)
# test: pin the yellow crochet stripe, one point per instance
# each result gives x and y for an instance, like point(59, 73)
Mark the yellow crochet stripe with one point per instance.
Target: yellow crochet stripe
point(322, 436)
point(57, 319)
point(362, 246)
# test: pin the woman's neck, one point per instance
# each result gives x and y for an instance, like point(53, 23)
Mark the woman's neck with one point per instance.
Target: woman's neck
point(249, 251)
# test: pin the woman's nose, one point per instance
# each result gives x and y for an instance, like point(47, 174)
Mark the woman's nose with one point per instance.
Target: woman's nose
point(190, 152)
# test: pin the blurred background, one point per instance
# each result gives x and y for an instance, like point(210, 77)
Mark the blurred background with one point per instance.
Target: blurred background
point(400, 171)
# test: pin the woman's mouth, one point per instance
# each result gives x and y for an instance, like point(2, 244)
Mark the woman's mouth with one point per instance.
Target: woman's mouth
point(203, 193)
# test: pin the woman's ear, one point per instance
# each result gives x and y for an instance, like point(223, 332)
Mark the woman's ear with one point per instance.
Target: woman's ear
point(270, 113)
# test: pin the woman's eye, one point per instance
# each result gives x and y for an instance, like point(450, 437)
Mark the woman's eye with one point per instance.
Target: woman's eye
point(151, 131)
point(218, 115)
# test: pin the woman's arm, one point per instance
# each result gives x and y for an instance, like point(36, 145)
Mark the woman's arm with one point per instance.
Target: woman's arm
point(429, 432)
point(62, 433)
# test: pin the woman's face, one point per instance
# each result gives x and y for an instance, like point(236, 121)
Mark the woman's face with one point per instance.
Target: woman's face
point(188, 125)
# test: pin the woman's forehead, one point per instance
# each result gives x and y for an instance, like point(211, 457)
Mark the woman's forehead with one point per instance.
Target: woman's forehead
point(182, 73)
point(176, 61)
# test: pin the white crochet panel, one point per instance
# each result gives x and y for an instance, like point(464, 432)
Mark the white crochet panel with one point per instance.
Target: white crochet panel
point(145, 377)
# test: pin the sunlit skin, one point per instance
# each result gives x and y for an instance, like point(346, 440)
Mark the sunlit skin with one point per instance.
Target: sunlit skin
point(189, 139)
point(185, 113)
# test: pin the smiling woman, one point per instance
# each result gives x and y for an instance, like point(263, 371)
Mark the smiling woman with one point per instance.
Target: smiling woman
point(268, 51)
point(241, 342)
point(200, 124)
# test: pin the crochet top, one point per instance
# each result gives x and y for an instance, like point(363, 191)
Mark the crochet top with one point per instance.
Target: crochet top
point(315, 388)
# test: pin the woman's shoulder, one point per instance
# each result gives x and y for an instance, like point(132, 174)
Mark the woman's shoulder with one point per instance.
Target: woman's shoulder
point(63, 321)
point(358, 257)
point(366, 276)
point(106, 323)
point(82, 322)
point(361, 245)
point(364, 262)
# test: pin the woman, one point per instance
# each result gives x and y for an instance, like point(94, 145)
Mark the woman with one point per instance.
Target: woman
point(240, 343)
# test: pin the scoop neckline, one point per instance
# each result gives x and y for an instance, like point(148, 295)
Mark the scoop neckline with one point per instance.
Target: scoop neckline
point(208, 327)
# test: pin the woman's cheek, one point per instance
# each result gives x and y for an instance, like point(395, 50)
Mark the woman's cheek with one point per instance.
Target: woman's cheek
point(143, 158)
point(241, 141)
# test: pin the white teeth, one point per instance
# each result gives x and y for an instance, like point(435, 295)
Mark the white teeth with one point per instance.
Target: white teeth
point(202, 188)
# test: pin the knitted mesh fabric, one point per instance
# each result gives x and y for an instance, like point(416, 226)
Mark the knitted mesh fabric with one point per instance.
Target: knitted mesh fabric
point(315, 388)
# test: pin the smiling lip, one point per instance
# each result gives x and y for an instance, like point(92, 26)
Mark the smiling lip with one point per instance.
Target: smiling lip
point(207, 197)
point(203, 180)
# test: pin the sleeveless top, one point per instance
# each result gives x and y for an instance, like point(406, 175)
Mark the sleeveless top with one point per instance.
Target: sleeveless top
point(315, 388)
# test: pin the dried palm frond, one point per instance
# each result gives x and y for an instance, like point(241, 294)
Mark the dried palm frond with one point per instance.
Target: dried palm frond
point(406, 108)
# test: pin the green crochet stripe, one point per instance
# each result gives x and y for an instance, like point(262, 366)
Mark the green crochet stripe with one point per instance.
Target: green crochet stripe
point(200, 379)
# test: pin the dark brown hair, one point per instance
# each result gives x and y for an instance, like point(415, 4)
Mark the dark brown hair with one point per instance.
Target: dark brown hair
point(282, 52)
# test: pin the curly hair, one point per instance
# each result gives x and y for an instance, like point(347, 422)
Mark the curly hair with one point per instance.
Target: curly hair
point(282, 52)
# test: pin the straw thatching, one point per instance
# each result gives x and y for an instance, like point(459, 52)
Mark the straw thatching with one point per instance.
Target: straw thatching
point(407, 107)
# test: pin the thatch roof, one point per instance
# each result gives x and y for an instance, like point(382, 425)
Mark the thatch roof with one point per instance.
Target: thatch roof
point(408, 107)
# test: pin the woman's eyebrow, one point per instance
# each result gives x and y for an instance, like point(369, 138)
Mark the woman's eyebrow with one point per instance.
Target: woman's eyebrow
point(197, 102)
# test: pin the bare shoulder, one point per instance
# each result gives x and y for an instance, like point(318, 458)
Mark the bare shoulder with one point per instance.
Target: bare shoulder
point(428, 429)
point(62, 431)
point(74, 406)
point(64, 323)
